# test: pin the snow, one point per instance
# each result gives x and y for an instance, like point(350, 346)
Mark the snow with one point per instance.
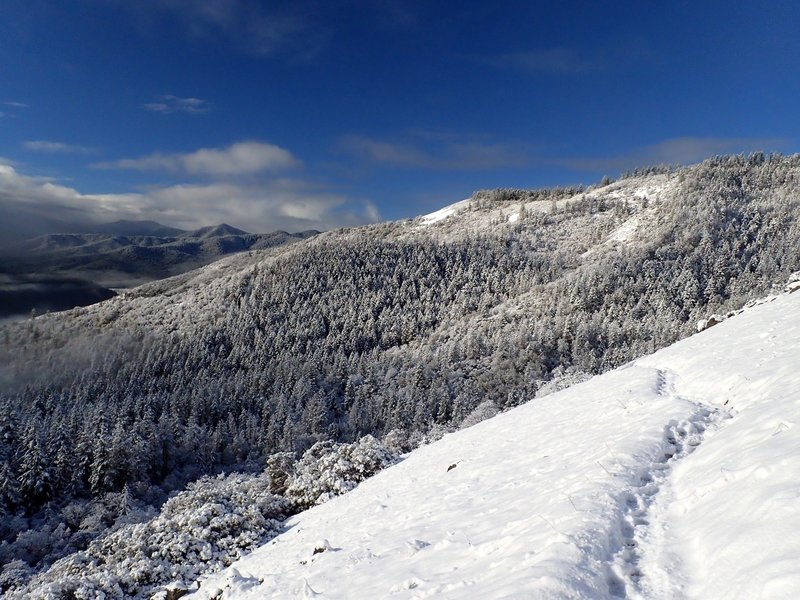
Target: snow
point(625, 231)
point(443, 213)
point(675, 476)
point(734, 507)
point(653, 190)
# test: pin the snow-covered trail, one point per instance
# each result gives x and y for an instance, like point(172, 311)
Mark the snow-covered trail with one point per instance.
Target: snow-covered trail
point(675, 476)
point(644, 565)
point(731, 514)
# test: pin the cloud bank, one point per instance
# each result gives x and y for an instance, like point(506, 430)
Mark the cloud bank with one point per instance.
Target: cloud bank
point(36, 205)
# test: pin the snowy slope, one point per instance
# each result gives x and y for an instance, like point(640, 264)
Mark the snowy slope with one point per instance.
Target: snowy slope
point(443, 213)
point(675, 476)
point(642, 194)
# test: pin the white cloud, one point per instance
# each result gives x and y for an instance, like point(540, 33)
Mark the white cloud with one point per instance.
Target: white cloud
point(287, 204)
point(242, 158)
point(168, 104)
point(279, 205)
point(56, 147)
point(15, 104)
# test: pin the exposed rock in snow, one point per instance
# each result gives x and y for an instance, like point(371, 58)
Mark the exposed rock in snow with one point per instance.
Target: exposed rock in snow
point(704, 324)
point(793, 284)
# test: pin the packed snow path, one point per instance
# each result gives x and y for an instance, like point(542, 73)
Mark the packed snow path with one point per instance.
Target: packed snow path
point(643, 526)
point(633, 484)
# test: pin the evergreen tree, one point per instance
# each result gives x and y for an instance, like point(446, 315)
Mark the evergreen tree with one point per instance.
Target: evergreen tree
point(35, 478)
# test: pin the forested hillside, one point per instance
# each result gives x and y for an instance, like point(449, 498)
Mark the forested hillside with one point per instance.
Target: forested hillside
point(402, 327)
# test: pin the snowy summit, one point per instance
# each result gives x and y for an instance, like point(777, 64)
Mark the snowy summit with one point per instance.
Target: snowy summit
point(443, 213)
point(674, 476)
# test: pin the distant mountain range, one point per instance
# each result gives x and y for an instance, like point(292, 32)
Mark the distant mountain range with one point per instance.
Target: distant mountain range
point(127, 227)
point(35, 272)
point(19, 221)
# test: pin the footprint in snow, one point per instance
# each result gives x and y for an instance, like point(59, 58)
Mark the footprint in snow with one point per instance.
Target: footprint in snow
point(680, 440)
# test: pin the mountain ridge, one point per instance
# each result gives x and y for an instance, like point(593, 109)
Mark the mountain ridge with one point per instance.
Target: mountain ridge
point(400, 330)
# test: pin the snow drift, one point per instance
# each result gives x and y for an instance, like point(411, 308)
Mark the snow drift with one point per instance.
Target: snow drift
point(674, 476)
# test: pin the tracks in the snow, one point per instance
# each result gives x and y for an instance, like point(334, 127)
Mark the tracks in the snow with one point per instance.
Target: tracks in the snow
point(637, 527)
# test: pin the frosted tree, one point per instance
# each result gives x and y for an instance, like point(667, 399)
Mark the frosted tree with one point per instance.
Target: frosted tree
point(35, 479)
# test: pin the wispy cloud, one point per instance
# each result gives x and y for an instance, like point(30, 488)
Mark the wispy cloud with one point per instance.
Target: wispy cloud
point(565, 61)
point(10, 111)
point(253, 27)
point(56, 147)
point(574, 61)
point(381, 151)
point(168, 104)
point(287, 204)
point(682, 150)
point(242, 158)
point(434, 151)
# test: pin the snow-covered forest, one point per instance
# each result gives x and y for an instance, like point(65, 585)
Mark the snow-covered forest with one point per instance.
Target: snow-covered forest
point(399, 330)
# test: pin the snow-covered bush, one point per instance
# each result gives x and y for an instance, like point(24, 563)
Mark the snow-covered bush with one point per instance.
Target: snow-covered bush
point(562, 379)
point(793, 283)
point(329, 469)
point(203, 529)
point(280, 467)
point(485, 410)
point(13, 573)
point(398, 441)
point(207, 527)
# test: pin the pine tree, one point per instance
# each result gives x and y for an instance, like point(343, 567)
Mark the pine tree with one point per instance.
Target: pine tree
point(9, 488)
point(35, 479)
point(101, 476)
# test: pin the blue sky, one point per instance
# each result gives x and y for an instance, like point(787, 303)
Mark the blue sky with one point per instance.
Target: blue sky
point(321, 114)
